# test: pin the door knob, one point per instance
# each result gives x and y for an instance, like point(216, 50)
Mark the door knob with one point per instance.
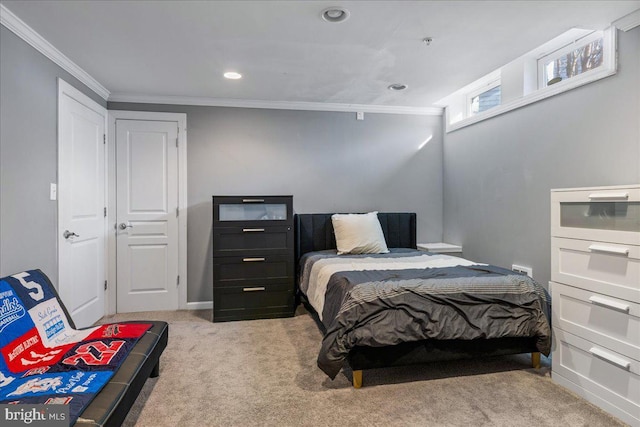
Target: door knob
point(124, 226)
point(68, 234)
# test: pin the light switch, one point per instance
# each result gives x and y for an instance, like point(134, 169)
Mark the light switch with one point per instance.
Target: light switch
point(53, 191)
point(359, 115)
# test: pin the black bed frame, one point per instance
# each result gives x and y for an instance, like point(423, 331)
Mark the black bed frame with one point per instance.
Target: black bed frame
point(314, 232)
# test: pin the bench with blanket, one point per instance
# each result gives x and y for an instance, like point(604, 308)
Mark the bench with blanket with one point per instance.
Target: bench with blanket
point(98, 372)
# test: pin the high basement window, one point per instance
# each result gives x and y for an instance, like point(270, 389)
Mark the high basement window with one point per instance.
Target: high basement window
point(575, 58)
point(485, 100)
point(572, 60)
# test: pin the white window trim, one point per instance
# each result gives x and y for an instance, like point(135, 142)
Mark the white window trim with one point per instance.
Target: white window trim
point(608, 68)
point(478, 91)
point(576, 44)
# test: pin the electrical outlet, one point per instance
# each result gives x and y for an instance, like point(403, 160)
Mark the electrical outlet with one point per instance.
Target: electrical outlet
point(359, 115)
point(524, 270)
point(53, 191)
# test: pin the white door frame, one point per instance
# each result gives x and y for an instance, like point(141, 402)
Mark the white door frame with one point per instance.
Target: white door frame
point(181, 119)
point(65, 88)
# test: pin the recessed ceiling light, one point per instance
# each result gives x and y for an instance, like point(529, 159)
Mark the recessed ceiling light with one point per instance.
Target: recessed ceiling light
point(335, 14)
point(397, 86)
point(232, 75)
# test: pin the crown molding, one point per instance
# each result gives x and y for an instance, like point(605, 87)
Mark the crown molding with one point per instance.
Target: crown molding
point(272, 105)
point(29, 35)
point(629, 21)
point(13, 23)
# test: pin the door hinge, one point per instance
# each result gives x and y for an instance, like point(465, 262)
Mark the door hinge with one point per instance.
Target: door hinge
point(178, 281)
point(105, 285)
point(178, 211)
point(104, 138)
point(105, 212)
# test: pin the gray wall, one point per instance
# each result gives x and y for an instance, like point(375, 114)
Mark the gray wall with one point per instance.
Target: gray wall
point(28, 155)
point(498, 173)
point(327, 160)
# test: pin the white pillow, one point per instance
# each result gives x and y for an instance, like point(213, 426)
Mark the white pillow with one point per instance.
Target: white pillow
point(359, 234)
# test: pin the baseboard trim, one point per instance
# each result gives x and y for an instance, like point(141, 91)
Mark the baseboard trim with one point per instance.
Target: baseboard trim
point(200, 305)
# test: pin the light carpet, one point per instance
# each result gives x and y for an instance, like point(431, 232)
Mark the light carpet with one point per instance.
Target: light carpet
point(263, 372)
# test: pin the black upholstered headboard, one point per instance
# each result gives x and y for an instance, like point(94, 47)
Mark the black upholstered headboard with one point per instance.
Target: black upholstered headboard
point(314, 232)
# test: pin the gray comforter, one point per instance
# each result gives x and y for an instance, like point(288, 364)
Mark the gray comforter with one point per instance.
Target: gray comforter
point(383, 307)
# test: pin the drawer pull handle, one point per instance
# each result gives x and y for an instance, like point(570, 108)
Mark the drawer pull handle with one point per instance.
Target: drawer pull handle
point(613, 359)
point(252, 200)
point(252, 230)
point(253, 259)
point(608, 196)
point(608, 303)
point(609, 249)
point(256, 289)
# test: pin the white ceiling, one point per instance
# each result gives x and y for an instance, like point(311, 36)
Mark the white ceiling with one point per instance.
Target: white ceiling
point(287, 53)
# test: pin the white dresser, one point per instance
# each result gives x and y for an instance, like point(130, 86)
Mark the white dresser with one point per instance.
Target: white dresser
point(595, 288)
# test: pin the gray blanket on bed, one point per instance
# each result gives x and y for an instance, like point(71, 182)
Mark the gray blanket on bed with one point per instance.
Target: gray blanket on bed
point(386, 307)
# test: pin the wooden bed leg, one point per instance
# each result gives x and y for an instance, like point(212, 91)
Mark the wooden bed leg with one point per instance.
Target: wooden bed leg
point(357, 379)
point(535, 360)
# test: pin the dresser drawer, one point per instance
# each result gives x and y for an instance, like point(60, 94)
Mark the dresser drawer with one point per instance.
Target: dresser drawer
point(251, 241)
point(252, 211)
point(602, 214)
point(237, 303)
point(612, 322)
point(611, 376)
point(244, 271)
point(607, 268)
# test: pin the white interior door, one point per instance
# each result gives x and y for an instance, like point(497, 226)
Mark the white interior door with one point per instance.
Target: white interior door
point(81, 204)
point(147, 210)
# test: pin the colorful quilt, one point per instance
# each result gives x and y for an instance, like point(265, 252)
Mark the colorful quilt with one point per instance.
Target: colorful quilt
point(44, 359)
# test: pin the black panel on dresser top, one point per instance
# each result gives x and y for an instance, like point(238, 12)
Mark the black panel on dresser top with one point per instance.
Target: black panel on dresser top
point(253, 257)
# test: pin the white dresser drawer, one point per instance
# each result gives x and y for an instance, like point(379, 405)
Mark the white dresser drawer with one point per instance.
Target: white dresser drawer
point(611, 322)
point(597, 370)
point(605, 214)
point(606, 268)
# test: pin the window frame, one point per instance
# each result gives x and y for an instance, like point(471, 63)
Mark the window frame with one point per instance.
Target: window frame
point(570, 47)
point(525, 69)
point(479, 91)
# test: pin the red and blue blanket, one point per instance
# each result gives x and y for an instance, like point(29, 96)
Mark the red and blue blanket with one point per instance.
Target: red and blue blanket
point(44, 359)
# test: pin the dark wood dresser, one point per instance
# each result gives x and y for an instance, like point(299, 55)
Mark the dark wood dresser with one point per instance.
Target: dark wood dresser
point(253, 257)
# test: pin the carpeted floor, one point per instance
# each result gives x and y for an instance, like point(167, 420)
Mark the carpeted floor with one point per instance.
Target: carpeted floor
point(263, 372)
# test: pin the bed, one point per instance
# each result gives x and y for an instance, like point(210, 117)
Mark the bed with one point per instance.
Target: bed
point(410, 307)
